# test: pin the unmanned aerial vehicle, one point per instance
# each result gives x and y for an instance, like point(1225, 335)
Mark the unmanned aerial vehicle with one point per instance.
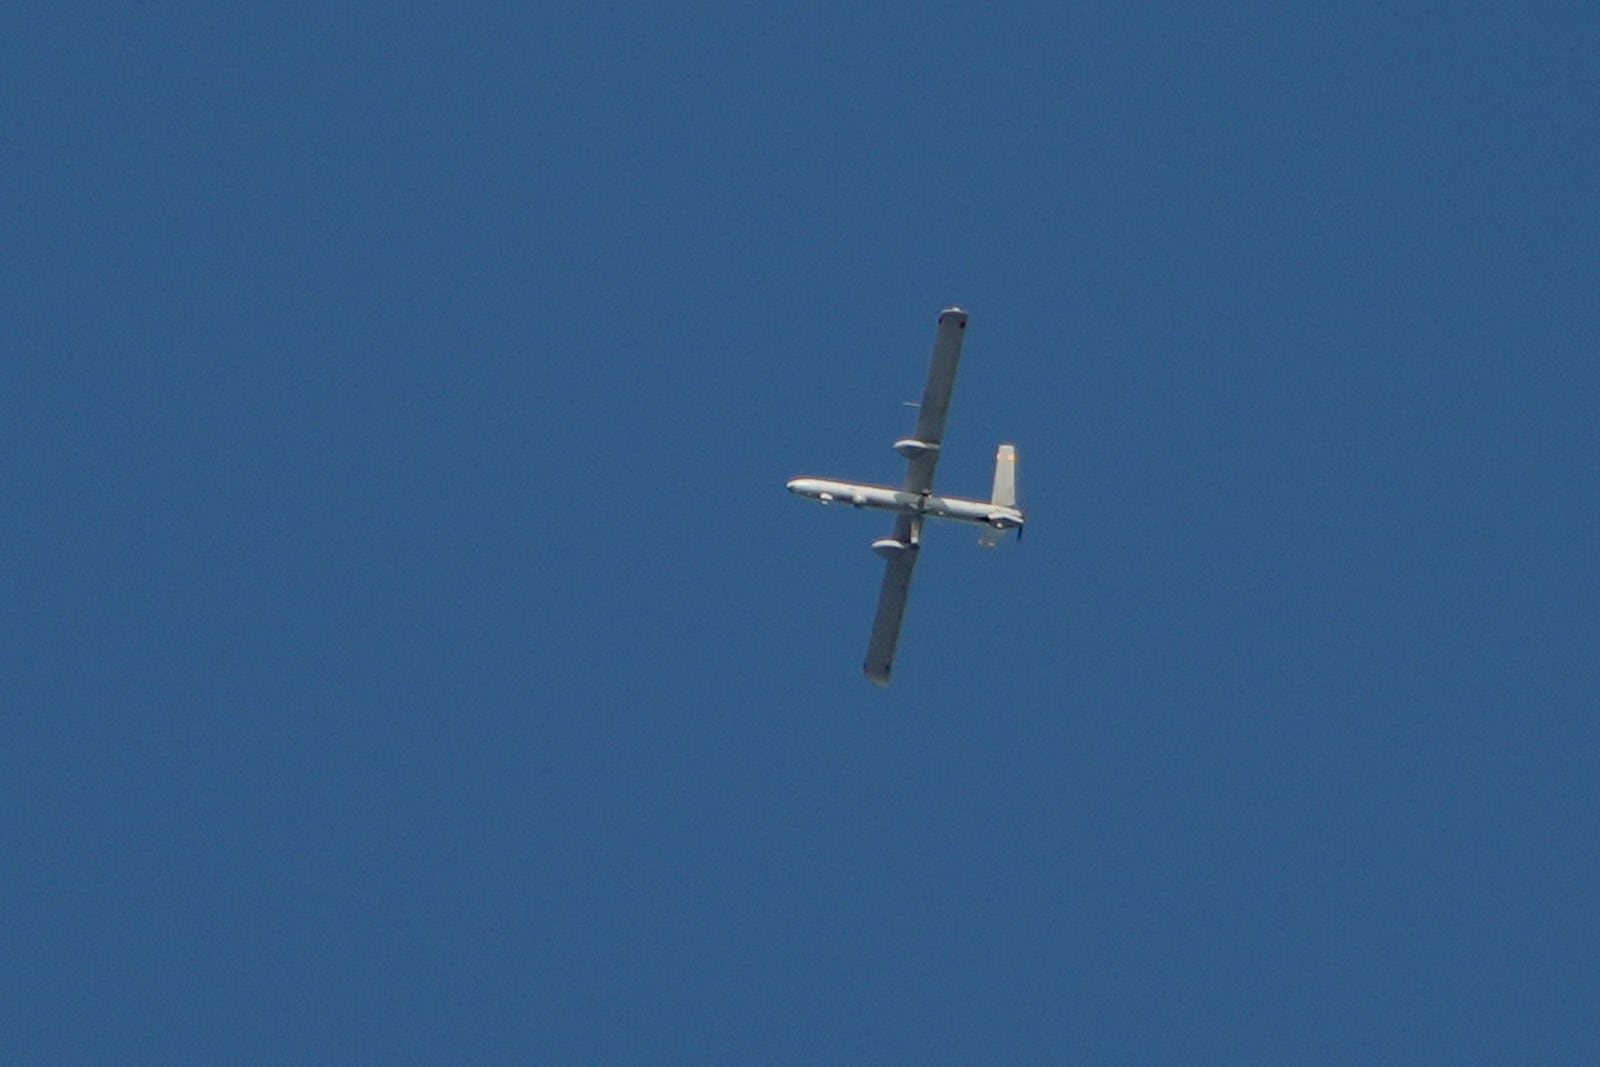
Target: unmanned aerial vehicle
point(915, 500)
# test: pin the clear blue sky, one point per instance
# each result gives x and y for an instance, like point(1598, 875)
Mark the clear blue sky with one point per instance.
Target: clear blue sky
point(410, 654)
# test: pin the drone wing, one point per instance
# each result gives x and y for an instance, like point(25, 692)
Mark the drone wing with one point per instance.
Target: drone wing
point(922, 447)
point(921, 451)
point(901, 552)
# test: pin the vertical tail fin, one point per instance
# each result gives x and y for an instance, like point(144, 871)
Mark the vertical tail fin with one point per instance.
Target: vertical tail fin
point(1005, 477)
point(1004, 495)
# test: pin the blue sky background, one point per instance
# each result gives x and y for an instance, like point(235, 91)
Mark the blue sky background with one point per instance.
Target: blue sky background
point(410, 653)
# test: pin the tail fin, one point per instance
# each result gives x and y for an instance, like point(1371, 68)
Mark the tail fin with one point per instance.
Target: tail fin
point(1005, 477)
point(1004, 495)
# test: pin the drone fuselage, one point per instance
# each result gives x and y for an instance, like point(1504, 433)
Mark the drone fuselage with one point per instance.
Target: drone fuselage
point(884, 498)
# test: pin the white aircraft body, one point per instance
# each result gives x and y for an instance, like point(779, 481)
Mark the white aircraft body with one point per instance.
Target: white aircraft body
point(915, 501)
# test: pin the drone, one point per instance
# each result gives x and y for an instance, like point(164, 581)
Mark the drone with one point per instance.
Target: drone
point(914, 502)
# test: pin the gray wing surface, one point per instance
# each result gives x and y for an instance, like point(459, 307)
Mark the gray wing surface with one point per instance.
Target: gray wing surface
point(891, 605)
point(936, 399)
